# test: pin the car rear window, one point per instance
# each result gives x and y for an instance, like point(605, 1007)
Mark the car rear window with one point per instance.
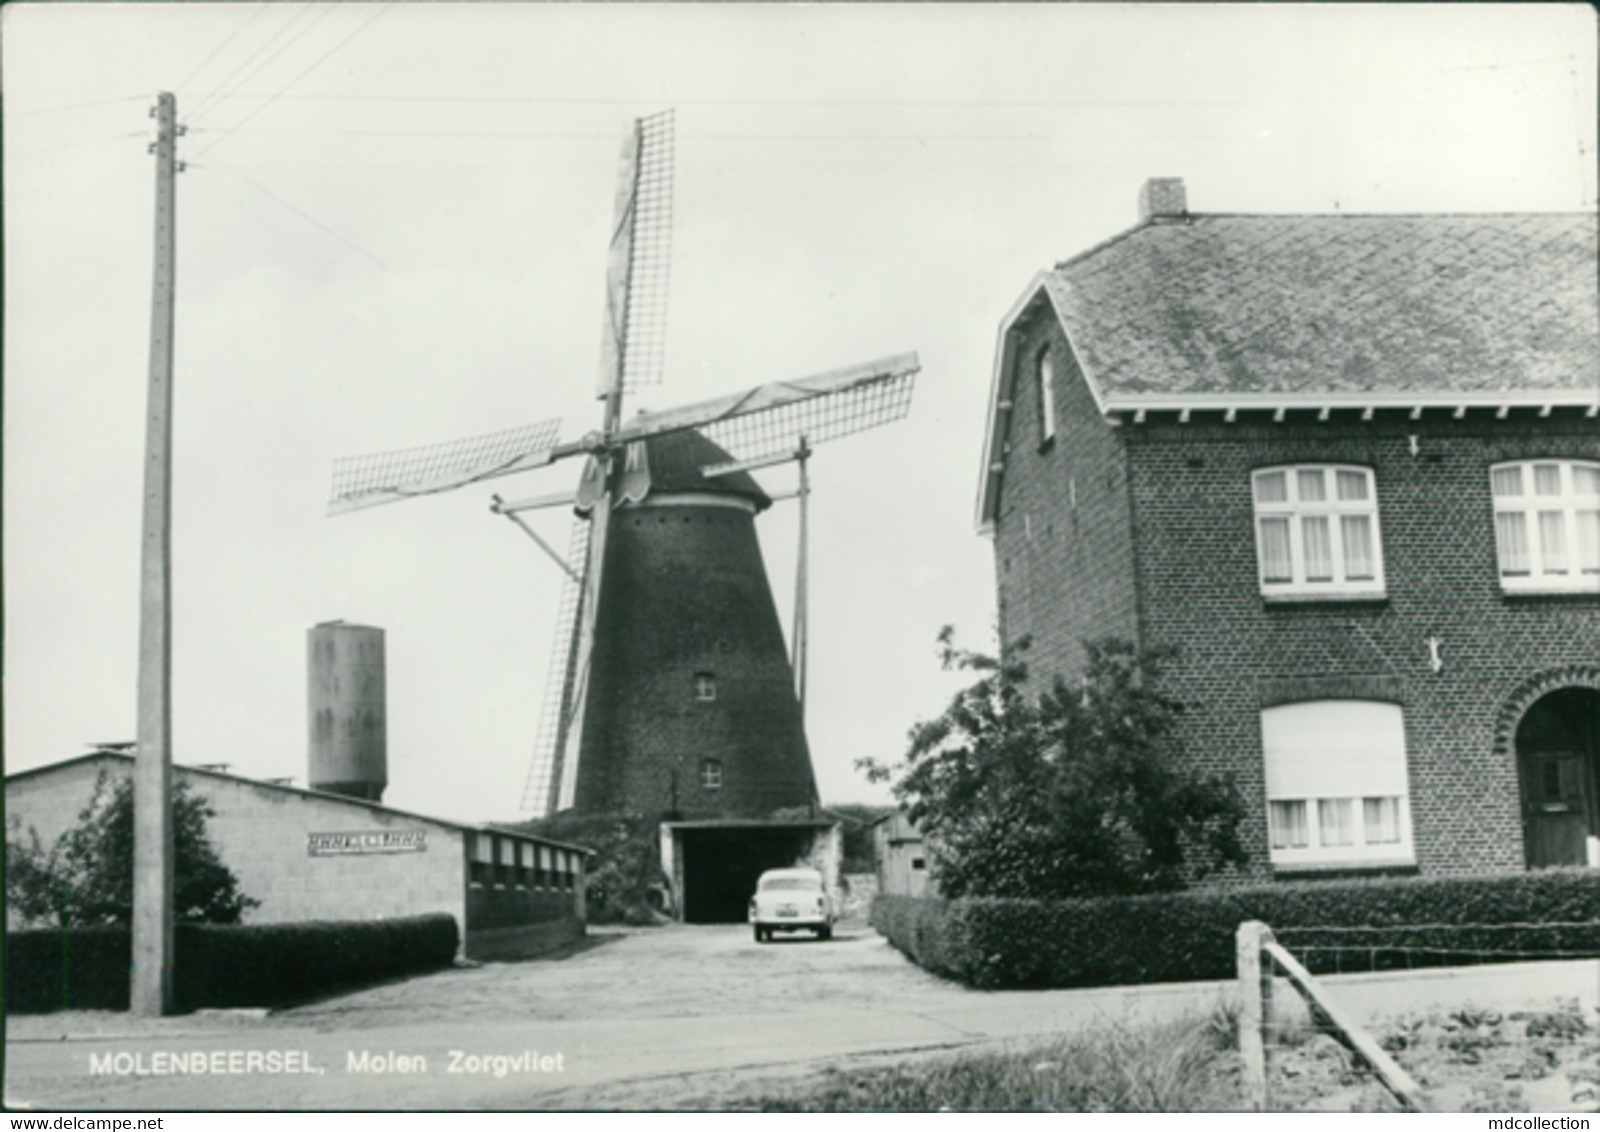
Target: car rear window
point(775, 883)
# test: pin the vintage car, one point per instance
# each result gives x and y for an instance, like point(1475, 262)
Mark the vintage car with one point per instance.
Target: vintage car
point(791, 900)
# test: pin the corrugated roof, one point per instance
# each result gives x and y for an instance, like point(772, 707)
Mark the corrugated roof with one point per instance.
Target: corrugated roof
point(1217, 304)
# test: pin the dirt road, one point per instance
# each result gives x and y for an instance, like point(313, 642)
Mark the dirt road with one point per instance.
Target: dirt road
point(637, 1019)
point(644, 1019)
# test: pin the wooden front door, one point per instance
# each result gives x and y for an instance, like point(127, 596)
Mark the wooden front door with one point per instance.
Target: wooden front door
point(1557, 757)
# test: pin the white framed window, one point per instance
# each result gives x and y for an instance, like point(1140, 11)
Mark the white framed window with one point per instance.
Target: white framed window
point(1337, 789)
point(711, 774)
point(705, 686)
point(1317, 531)
point(1547, 525)
point(1045, 372)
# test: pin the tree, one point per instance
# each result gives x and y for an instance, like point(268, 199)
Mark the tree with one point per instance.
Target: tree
point(623, 881)
point(1080, 792)
point(87, 876)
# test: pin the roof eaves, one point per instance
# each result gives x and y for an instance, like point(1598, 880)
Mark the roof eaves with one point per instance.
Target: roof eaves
point(64, 763)
point(1386, 399)
point(751, 823)
point(512, 831)
point(323, 795)
point(1002, 384)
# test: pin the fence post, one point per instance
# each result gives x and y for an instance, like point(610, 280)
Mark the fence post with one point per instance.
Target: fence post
point(1255, 1001)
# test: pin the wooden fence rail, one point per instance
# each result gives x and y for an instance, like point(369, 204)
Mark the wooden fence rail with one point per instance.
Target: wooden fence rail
point(1258, 953)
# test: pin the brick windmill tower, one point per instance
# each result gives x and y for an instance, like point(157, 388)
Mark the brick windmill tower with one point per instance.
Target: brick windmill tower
point(671, 691)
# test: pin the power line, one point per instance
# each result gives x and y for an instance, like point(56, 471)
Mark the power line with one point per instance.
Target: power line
point(301, 213)
point(967, 103)
point(466, 317)
point(910, 135)
point(254, 16)
point(317, 62)
point(80, 105)
point(228, 87)
point(77, 145)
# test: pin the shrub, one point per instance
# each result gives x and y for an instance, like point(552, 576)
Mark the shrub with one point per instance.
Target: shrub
point(222, 965)
point(1080, 792)
point(86, 877)
point(623, 882)
point(74, 969)
point(1380, 924)
point(270, 964)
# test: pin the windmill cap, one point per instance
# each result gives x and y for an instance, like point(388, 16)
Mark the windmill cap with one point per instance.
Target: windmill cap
point(677, 463)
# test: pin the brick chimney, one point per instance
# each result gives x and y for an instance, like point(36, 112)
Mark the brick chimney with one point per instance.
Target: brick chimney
point(1162, 198)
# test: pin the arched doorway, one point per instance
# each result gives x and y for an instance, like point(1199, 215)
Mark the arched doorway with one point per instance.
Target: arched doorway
point(1558, 762)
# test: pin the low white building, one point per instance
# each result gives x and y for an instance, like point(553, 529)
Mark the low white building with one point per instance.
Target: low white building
point(312, 855)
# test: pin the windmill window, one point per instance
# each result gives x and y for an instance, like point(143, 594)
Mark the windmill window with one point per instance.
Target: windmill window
point(1317, 532)
point(711, 774)
point(1547, 525)
point(705, 686)
point(1044, 371)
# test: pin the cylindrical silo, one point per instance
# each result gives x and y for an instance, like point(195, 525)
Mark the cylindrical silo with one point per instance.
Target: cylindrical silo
point(349, 728)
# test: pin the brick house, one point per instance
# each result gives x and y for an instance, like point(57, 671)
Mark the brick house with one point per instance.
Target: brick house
point(1349, 466)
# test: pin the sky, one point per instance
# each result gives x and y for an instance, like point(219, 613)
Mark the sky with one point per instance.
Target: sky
point(392, 231)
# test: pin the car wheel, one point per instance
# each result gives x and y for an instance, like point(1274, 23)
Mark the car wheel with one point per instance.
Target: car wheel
point(825, 932)
point(761, 935)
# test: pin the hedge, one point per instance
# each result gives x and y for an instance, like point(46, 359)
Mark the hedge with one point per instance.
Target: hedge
point(80, 969)
point(1378, 924)
point(223, 965)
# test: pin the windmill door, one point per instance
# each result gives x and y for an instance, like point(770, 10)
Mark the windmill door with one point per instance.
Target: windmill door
point(1557, 757)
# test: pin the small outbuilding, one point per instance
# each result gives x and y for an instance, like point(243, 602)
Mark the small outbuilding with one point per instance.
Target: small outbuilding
point(315, 855)
point(902, 856)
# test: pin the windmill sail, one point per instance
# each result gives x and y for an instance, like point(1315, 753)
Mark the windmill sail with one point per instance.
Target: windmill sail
point(541, 791)
point(632, 347)
point(626, 466)
point(387, 477)
point(766, 424)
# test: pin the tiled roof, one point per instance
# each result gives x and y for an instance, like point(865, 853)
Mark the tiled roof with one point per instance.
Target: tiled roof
point(1294, 304)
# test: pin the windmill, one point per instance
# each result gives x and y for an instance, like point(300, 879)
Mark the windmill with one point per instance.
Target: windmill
point(644, 600)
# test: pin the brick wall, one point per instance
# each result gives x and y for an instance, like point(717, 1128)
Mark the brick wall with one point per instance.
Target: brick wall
point(1063, 533)
point(1146, 532)
point(1197, 580)
point(686, 593)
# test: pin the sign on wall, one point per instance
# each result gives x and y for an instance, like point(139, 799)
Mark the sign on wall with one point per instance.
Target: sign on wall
point(367, 841)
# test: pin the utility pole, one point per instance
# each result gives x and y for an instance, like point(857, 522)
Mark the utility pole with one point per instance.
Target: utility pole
point(801, 583)
point(153, 868)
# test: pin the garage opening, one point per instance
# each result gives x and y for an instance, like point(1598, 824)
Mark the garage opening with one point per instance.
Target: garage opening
point(720, 864)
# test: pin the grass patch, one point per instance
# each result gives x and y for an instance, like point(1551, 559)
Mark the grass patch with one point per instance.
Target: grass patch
point(1185, 1066)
